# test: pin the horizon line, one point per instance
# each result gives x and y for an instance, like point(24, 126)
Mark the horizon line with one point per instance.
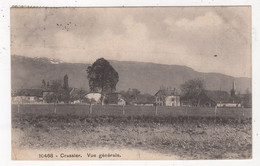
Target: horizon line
point(62, 61)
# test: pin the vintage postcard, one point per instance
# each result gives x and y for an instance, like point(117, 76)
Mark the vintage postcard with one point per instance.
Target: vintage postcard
point(131, 83)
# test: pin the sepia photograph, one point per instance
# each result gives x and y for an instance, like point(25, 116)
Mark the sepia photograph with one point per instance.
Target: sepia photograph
point(131, 83)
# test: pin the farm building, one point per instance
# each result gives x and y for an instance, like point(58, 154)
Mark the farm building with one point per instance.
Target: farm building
point(114, 99)
point(94, 97)
point(167, 97)
point(228, 104)
point(27, 96)
point(77, 95)
point(143, 104)
point(212, 98)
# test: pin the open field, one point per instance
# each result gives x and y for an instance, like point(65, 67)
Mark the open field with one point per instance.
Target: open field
point(115, 110)
point(192, 134)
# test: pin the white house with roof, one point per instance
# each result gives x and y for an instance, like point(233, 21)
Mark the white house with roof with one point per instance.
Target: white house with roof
point(167, 97)
point(27, 96)
point(94, 96)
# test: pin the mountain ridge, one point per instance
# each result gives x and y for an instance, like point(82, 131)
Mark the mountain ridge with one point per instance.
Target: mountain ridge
point(29, 72)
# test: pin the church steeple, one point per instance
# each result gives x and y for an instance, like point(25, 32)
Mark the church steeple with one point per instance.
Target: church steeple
point(234, 85)
point(233, 90)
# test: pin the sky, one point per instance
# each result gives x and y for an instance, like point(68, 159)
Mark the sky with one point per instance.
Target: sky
point(207, 39)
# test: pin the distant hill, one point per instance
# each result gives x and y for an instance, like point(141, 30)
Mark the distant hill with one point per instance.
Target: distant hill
point(147, 77)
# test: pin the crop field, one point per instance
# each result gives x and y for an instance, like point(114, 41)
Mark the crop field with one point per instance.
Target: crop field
point(190, 133)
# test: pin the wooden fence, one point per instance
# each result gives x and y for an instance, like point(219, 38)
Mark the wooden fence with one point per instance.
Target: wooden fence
point(116, 110)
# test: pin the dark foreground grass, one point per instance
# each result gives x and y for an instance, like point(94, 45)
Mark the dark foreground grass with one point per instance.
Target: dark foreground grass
point(190, 137)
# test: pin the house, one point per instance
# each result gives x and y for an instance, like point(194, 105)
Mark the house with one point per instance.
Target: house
point(121, 102)
point(143, 104)
point(114, 99)
point(94, 97)
point(167, 97)
point(228, 104)
point(76, 102)
point(77, 96)
point(27, 96)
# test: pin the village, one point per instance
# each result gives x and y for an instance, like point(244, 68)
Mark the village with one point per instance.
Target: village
point(165, 96)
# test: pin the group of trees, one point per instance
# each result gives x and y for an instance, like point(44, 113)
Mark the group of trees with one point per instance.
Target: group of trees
point(247, 99)
point(102, 77)
point(58, 91)
point(44, 85)
point(191, 90)
point(134, 96)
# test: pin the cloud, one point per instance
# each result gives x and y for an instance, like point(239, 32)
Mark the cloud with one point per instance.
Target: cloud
point(132, 45)
point(207, 20)
point(184, 36)
point(135, 45)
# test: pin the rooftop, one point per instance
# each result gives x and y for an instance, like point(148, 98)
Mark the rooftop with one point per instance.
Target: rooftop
point(28, 92)
point(166, 92)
